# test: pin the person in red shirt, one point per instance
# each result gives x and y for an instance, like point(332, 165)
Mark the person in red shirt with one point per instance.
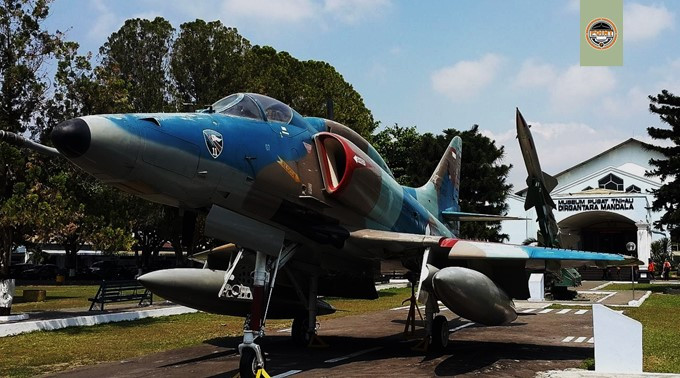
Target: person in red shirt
point(666, 269)
point(650, 268)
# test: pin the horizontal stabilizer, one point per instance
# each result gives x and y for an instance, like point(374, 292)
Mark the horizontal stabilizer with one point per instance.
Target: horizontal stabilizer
point(475, 217)
point(465, 249)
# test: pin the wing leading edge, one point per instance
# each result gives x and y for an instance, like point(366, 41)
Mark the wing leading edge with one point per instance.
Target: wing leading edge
point(466, 249)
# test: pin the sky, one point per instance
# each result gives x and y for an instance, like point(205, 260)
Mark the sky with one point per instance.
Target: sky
point(449, 64)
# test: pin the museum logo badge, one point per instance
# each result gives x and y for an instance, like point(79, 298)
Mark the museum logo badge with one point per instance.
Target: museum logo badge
point(214, 142)
point(601, 33)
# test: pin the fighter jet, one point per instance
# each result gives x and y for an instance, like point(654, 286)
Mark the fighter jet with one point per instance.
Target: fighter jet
point(311, 208)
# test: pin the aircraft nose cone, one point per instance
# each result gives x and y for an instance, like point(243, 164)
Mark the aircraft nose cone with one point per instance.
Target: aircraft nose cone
point(72, 138)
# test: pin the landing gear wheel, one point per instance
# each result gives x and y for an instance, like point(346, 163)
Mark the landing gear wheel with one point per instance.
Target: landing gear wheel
point(440, 333)
point(299, 331)
point(247, 366)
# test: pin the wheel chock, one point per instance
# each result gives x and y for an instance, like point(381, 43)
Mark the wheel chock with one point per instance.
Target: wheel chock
point(261, 374)
point(316, 342)
point(422, 345)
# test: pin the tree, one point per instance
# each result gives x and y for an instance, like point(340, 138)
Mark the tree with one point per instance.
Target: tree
point(660, 251)
point(25, 48)
point(482, 186)
point(398, 147)
point(81, 90)
point(307, 87)
point(138, 54)
point(667, 196)
point(207, 62)
point(151, 228)
point(320, 82)
point(413, 157)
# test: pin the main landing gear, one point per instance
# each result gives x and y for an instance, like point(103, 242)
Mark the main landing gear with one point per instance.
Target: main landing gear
point(303, 331)
point(436, 328)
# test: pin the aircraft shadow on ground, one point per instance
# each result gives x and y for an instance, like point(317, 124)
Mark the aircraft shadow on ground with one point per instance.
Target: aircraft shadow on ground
point(50, 298)
point(221, 354)
point(469, 356)
point(456, 323)
point(464, 356)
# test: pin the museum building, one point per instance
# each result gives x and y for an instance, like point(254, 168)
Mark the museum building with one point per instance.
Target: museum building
point(601, 204)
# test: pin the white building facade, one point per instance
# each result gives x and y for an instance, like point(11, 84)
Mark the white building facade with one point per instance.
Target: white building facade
point(602, 203)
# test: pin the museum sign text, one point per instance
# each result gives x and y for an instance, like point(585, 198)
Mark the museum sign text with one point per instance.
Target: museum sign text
point(583, 204)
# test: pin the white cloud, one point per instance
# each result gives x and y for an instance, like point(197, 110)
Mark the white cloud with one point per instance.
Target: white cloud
point(668, 77)
point(296, 11)
point(105, 23)
point(534, 74)
point(559, 146)
point(290, 11)
point(466, 78)
point(574, 5)
point(377, 72)
point(353, 11)
point(148, 15)
point(578, 86)
point(643, 22)
point(633, 102)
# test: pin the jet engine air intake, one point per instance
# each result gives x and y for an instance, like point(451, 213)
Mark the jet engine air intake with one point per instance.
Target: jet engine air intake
point(349, 174)
point(335, 162)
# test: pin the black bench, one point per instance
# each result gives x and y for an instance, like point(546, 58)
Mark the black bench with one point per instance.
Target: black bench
point(121, 291)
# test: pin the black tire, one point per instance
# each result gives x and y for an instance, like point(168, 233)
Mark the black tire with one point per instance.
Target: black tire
point(247, 366)
point(299, 330)
point(440, 333)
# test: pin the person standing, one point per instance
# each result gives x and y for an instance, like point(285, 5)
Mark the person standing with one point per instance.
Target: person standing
point(666, 269)
point(650, 269)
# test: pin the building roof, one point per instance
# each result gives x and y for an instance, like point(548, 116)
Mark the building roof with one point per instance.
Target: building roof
point(605, 152)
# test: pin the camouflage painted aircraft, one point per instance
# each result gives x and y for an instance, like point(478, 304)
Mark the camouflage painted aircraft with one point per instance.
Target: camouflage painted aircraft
point(310, 206)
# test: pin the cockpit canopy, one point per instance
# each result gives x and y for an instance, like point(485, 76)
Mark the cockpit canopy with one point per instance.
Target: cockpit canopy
point(254, 106)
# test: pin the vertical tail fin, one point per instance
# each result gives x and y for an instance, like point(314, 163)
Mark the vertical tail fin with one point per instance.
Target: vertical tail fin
point(441, 190)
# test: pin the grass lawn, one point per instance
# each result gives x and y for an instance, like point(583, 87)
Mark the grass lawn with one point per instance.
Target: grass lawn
point(654, 288)
point(43, 352)
point(58, 297)
point(660, 318)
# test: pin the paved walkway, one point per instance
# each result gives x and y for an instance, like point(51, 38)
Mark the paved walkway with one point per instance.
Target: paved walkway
point(373, 345)
point(57, 319)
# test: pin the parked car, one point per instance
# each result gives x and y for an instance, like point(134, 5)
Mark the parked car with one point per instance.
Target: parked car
point(41, 272)
point(111, 270)
point(16, 271)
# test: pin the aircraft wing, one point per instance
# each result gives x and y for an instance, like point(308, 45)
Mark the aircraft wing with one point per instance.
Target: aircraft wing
point(394, 241)
point(465, 249)
point(460, 249)
point(476, 217)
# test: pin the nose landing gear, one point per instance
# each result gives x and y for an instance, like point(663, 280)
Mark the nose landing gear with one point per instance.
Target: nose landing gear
point(252, 361)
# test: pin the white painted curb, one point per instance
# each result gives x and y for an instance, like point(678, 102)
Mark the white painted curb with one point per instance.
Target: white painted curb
point(89, 320)
point(13, 318)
